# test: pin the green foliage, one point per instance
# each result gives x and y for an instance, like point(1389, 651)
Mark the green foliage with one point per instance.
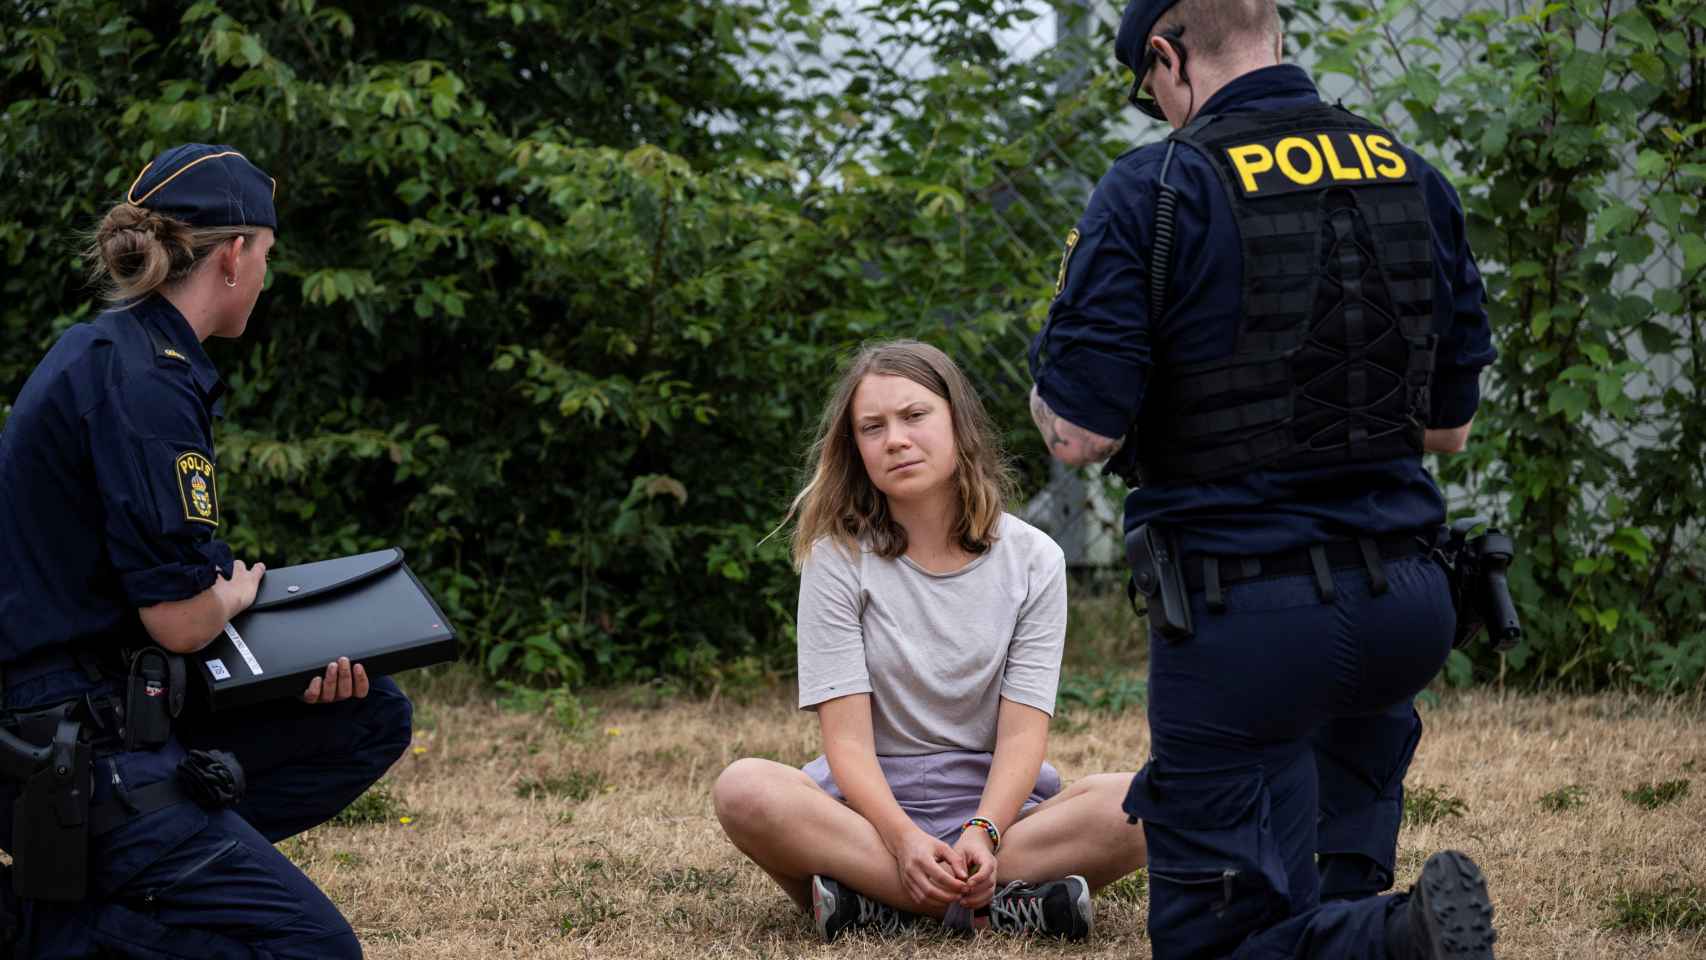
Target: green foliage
point(1133, 888)
point(1430, 804)
point(564, 708)
point(1564, 798)
point(1651, 796)
point(559, 288)
point(1576, 133)
point(1110, 692)
point(378, 805)
point(1676, 905)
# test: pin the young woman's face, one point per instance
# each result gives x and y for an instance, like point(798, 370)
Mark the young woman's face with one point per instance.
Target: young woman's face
point(905, 434)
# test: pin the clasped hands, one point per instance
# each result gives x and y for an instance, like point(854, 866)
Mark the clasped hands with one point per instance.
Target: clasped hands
point(933, 872)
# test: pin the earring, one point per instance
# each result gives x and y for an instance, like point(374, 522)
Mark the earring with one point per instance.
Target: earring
point(230, 281)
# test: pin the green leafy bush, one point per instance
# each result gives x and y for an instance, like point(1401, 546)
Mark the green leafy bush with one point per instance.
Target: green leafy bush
point(1576, 133)
point(1430, 804)
point(559, 289)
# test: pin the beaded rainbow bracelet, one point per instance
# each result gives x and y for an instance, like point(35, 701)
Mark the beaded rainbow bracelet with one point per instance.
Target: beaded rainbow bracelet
point(989, 828)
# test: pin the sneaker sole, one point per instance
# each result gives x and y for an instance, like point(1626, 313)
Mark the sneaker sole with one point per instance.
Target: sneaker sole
point(1456, 911)
point(823, 907)
point(1086, 907)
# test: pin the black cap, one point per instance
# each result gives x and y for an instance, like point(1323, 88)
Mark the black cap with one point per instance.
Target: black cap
point(206, 186)
point(1135, 27)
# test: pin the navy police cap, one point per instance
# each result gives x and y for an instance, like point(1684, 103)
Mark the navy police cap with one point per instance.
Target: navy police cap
point(206, 186)
point(1135, 26)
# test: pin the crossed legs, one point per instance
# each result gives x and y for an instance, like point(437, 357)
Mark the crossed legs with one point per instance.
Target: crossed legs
point(791, 828)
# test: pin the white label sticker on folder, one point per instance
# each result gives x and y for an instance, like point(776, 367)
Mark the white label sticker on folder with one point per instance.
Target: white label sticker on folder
point(243, 649)
point(216, 667)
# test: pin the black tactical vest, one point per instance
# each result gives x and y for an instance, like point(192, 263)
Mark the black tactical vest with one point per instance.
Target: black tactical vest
point(1334, 352)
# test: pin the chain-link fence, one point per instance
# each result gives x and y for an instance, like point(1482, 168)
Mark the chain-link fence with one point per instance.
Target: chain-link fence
point(1411, 52)
point(1023, 217)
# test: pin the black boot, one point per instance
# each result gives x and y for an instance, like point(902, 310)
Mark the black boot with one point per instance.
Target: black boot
point(1449, 916)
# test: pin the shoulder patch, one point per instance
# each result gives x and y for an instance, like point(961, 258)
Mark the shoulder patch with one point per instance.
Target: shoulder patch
point(175, 355)
point(197, 488)
point(1065, 260)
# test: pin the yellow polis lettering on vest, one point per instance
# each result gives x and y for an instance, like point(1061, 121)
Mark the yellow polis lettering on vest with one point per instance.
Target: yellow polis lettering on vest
point(1251, 159)
point(196, 488)
point(1339, 171)
point(1286, 153)
point(1305, 160)
point(1382, 148)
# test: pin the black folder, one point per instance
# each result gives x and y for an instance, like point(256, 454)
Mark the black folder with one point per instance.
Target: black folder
point(370, 608)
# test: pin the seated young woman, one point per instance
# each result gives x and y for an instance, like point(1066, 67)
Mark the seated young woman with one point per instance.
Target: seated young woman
point(931, 626)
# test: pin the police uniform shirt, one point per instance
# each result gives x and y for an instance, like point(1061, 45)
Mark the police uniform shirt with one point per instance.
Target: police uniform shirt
point(109, 481)
point(1092, 360)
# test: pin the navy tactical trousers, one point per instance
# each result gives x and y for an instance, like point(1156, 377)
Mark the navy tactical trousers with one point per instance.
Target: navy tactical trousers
point(184, 882)
point(1283, 729)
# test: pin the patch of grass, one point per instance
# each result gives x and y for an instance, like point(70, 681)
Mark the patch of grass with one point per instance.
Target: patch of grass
point(1131, 888)
point(1429, 804)
point(1564, 798)
point(694, 880)
point(378, 805)
point(576, 785)
point(1102, 632)
point(776, 756)
point(1677, 905)
point(1651, 796)
point(591, 908)
point(562, 707)
point(347, 859)
point(1110, 692)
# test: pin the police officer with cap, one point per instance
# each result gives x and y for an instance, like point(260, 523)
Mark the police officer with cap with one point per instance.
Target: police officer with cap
point(136, 829)
point(1262, 323)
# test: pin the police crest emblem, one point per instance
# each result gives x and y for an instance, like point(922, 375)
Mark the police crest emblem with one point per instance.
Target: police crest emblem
point(1066, 258)
point(197, 489)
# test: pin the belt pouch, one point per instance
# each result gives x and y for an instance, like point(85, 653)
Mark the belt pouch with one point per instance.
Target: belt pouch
point(148, 700)
point(50, 820)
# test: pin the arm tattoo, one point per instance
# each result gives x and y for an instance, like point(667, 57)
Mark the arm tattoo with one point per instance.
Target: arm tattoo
point(1068, 442)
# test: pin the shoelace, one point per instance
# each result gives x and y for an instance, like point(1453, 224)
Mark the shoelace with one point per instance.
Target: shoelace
point(877, 913)
point(1017, 913)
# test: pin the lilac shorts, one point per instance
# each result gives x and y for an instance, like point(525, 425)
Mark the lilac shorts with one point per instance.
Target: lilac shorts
point(939, 790)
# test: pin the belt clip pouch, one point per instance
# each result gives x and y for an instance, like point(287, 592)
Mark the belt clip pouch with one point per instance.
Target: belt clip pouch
point(1171, 598)
point(50, 819)
point(152, 697)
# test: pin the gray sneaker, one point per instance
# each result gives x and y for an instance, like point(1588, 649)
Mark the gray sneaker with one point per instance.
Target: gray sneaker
point(837, 908)
point(1059, 908)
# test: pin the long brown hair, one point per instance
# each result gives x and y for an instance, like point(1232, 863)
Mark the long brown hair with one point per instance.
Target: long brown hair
point(135, 251)
point(840, 501)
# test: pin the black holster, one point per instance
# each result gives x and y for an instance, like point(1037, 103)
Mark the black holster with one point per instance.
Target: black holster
point(50, 819)
point(1158, 573)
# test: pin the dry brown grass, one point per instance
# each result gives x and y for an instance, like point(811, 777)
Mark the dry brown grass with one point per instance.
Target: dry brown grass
point(530, 840)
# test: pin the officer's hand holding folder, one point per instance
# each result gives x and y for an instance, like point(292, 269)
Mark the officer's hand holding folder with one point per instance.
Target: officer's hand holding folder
point(370, 608)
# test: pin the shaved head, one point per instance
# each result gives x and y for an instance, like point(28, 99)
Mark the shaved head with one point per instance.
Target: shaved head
point(1214, 28)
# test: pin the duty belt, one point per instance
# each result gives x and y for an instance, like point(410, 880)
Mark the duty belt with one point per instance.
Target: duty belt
point(1210, 573)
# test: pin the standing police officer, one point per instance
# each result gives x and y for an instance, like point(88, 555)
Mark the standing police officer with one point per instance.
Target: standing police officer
point(1263, 322)
point(109, 562)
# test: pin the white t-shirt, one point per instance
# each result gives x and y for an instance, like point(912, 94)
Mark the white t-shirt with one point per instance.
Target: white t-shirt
point(937, 652)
